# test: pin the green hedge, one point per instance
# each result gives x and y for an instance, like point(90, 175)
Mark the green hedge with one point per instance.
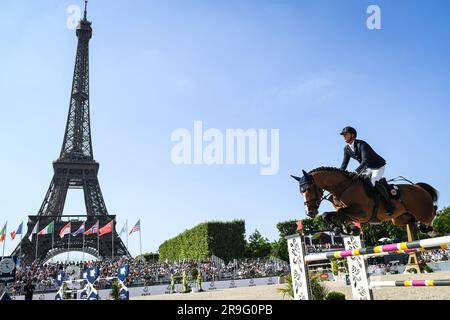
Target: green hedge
point(225, 240)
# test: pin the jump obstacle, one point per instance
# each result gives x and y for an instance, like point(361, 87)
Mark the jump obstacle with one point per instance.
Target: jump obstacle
point(90, 277)
point(357, 265)
point(429, 244)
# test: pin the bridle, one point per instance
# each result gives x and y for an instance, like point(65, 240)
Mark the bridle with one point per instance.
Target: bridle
point(317, 200)
point(338, 191)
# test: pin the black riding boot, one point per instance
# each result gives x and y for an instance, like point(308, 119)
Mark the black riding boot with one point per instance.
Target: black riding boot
point(382, 190)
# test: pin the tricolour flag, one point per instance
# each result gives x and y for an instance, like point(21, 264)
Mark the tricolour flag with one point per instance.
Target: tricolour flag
point(48, 229)
point(65, 230)
point(106, 228)
point(80, 230)
point(92, 230)
point(34, 231)
point(137, 227)
point(3, 234)
point(15, 233)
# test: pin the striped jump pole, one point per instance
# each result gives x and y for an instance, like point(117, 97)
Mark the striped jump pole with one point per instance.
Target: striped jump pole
point(357, 265)
point(429, 244)
point(410, 283)
point(381, 254)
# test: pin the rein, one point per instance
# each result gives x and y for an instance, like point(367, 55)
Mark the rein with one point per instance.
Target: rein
point(339, 191)
point(326, 196)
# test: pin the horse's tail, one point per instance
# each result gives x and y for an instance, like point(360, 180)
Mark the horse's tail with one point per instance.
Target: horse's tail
point(431, 191)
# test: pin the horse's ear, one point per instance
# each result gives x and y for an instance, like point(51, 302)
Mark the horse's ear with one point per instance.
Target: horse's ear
point(305, 174)
point(296, 178)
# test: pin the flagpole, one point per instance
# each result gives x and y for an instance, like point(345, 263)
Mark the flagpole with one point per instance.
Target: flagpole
point(83, 243)
point(20, 250)
point(4, 242)
point(140, 238)
point(37, 239)
point(68, 242)
point(98, 240)
point(112, 240)
point(126, 231)
point(53, 238)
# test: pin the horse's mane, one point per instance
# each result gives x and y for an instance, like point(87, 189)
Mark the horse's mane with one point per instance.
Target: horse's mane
point(351, 175)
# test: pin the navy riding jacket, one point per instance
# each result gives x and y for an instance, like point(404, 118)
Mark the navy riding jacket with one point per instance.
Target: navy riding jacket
point(364, 154)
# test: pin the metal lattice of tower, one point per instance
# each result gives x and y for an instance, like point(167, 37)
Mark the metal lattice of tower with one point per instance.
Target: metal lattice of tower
point(74, 169)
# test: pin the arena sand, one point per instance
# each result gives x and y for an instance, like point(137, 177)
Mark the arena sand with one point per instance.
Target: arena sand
point(269, 292)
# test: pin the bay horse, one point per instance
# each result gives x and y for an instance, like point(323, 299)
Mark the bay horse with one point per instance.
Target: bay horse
point(356, 200)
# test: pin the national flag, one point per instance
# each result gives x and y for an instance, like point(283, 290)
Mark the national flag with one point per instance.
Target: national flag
point(3, 234)
point(80, 230)
point(48, 229)
point(65, 230)
point(92, 230)
point(137, 227)
point(299, 225)
point(106, 228)
point(15, 233)
point(34, 231)
point(123, 230)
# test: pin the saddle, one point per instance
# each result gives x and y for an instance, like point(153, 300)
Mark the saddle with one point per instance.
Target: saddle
point(392, 189)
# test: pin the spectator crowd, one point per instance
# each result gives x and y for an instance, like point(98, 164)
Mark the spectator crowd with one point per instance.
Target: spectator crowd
point(43, 277)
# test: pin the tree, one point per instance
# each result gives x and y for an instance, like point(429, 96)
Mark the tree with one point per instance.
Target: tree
point(279, 248)
point(257, 246)
point(373, 232)
point(287, 228)
point(442, 221)
point(149, 257)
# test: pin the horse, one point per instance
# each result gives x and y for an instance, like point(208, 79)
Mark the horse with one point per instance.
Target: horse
point(356, 200)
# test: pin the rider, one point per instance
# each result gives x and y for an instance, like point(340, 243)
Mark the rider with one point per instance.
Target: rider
point(371, 164)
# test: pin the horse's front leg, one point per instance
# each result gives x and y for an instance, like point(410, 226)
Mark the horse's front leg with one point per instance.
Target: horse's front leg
point(329, 216)
point(346, 217)
point(332, 218)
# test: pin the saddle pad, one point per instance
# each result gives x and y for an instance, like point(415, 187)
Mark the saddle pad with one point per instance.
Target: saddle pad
point(394, 191)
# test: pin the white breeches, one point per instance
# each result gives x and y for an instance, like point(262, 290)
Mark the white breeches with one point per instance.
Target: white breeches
point(375, 174)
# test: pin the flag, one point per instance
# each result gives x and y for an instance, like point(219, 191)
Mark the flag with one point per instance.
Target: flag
point(34, 231)
point(15, 233)
point(123, 230)
point(48, 229)
point(107, 228)
point(92, 230)
point(137, 227)
point(80, 230)
point(299, 225)
point(65, 230)
point(3, 234)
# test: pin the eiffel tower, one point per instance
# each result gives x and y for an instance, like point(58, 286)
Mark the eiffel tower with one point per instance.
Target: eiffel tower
point(74, 169)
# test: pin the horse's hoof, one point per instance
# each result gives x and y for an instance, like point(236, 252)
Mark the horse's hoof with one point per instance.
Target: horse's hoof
point(355, 231)
point(432, 234)
point(345, 231)
point(426, 229)
point(337, 230)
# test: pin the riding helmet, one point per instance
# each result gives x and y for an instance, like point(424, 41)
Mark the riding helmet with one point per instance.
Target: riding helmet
point(349, 130)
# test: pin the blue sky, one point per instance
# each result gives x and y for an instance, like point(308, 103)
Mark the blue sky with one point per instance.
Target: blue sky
point(307, 68)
